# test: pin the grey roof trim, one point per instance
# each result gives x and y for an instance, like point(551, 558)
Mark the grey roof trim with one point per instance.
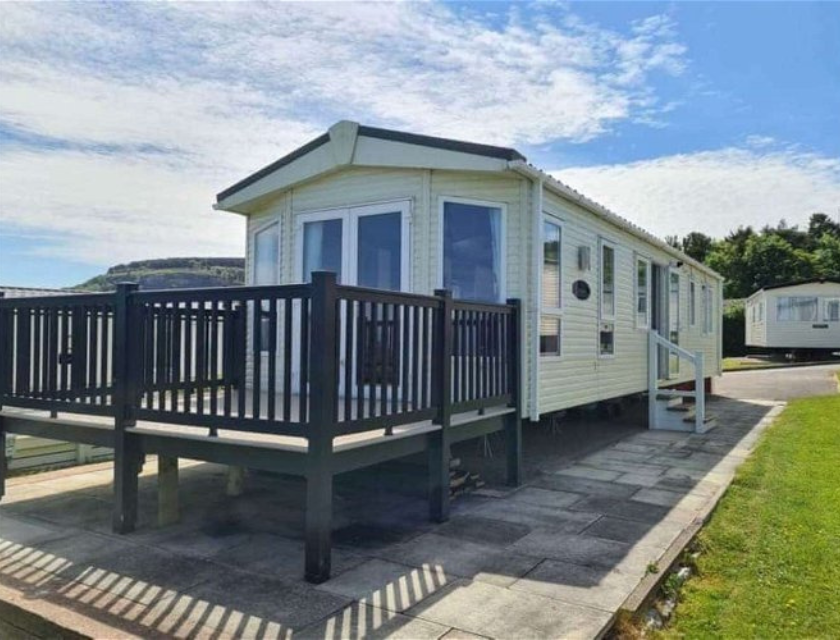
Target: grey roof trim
point(271, 168)
point(503, 153)
point(799, 282)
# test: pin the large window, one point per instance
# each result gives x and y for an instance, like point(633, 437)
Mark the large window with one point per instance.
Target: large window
point(797, 309)
point(832, 310)
point(323, 246)
point(551, 322)
point(606, 332)
point(642, 293)
point(472, 251)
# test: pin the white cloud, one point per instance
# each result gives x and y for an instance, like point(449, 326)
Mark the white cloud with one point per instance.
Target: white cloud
point(126, 118)
point(714, 191)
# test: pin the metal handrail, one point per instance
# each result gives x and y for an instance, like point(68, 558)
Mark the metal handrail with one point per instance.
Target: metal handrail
point(697, 359)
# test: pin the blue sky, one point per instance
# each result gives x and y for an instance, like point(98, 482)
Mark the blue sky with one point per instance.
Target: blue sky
point(119, 122)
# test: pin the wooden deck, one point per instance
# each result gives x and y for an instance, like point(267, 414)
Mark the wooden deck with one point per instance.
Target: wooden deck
point(210, 375)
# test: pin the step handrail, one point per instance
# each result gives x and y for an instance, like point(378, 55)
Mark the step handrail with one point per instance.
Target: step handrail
point(655, 341)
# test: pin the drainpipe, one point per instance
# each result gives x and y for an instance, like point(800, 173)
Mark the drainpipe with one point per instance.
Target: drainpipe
point(535, 297)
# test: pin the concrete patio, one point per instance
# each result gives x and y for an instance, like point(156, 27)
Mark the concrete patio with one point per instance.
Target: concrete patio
point(554, 558)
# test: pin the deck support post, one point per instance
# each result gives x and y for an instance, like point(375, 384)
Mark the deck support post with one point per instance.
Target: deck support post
point(235, 485)
point(439, 441)
point(127, 451)
point(513, 422)
point(321, 426)
point(2, 459)
point(168, 505)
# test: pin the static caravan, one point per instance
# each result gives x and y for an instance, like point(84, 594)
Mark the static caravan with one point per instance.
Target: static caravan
point(392, 210)
point(797, 316)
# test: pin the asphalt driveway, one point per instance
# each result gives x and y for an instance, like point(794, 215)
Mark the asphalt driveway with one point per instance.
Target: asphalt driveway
point(778, 384)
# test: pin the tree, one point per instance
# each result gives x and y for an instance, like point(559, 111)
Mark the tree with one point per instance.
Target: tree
point(674, 241)
point(827, 256)
point(819, 225)
point(770, 259)
point(697, 245)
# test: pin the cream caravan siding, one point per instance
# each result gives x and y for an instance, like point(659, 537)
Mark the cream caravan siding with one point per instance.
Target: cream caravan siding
point(818, 334)
point(579, 375)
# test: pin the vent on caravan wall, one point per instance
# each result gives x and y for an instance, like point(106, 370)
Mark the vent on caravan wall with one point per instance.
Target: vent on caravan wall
point(584, 258)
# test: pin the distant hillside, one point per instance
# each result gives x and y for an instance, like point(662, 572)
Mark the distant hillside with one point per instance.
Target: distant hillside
point(172, 273)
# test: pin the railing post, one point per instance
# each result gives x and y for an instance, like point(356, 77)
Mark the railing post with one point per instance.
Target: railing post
point(3, 358)
point(699, 393)
point(653, 377)
point(323, 395)
point(126, 446)
point(513, 422)
point(439, 454)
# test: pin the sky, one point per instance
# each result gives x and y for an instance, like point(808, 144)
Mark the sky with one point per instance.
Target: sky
point(120, 122)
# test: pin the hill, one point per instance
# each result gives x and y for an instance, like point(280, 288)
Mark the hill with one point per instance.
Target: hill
point(171, 273)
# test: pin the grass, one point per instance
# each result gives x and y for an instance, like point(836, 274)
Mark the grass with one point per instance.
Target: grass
point(770, 566)
point(741, 364)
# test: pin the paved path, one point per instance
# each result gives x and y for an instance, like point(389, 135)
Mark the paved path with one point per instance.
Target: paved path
point(555, 558)
point(779, 384)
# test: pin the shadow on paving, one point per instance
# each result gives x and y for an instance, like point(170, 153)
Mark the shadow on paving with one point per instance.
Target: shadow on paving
point(602, 500)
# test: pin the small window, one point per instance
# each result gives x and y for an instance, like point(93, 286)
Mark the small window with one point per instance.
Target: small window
point(692, 303)
point(550, 341)
point(797, 309)
point(761, 311)
point(551, 273)
point(607, 281)
point(832, 310)
point(642, 293)
point(708, 310)
point(606, 339)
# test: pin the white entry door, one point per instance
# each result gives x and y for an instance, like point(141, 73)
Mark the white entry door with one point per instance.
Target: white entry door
point(365, 246)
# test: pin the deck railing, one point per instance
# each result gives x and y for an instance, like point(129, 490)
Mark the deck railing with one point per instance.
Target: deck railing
point(288, 360)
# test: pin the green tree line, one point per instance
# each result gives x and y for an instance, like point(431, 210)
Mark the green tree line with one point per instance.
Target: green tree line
point(750, 259)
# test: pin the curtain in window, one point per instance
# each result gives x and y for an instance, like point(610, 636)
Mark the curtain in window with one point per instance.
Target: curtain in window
point(796, 309)
point(832, 310)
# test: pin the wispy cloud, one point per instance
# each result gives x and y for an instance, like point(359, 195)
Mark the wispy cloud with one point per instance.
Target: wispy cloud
point(715, 191)
point(127, 118)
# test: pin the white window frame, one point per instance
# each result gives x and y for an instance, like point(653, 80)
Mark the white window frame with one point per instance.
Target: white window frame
point(349, 217)
point(442, 200)
point(648, 279)
point(556, 313)
point(785, 320)
point(826, 302)
point(602, 317)
point(708, 310)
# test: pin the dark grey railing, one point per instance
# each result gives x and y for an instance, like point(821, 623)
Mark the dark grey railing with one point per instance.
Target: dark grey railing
point(288, 360)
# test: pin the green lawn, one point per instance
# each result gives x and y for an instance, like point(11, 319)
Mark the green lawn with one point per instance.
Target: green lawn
point(770, 566)
point(742, 364)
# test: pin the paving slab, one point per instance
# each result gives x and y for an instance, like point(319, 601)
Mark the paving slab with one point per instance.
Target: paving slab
point(578, 584)
point(627, 509)
point(388, 585)
point(579, 549)
point(584, 486)
point(545, 497)
point(358, 621)
point(494, 612)
point(535, 515)
point(489, 531)
point(462, 558)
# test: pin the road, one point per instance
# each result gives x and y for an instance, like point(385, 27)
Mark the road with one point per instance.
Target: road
point(778, 384)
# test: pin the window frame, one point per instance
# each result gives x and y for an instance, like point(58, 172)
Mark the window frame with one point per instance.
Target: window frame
point(648, 281)
point(553, 313)
point(692, 303)
point(826, 301)
point(602, 317)
point(708, 309)
point(257, 230)
point(502, 206)
point(786, 320)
